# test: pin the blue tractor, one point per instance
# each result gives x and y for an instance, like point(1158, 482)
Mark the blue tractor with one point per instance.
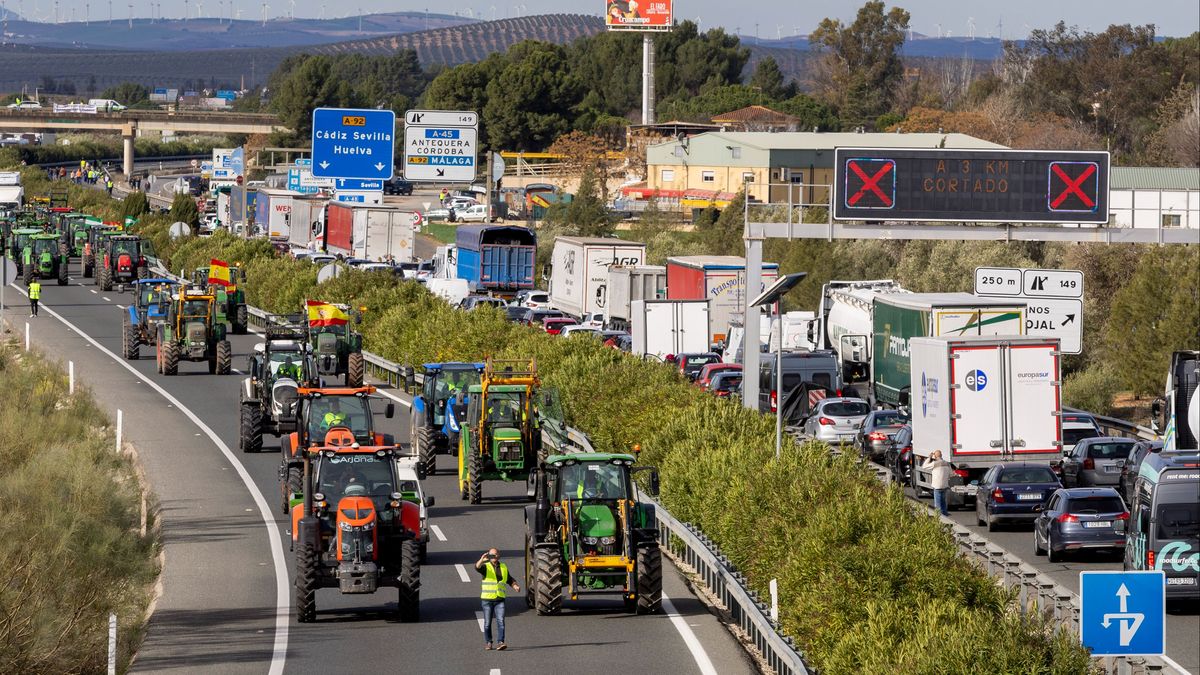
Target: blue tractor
point(152, 301)
point(433, 431)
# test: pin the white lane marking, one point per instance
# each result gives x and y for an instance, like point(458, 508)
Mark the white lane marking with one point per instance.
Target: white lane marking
point(494, 671)
point(282, 587)
point(437, 532)
point(395, 398)
point(237, 371)
point(479, 618)
point(689, 638)
point(121, 306)
point(92, 290)
point(105, 299)
point(1176, 666)
point(462, 573)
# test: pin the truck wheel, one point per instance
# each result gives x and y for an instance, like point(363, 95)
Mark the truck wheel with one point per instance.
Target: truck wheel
point(129, 343)
point(354, 370)
point(408, 604)
point(241, 319)
point(425, 450)
point(548, 563)
point(170, 365)
point(250, 436)
point(224, 357)
point(649, 580)
point(62, 273)
point(306, 584)
point(474, 483)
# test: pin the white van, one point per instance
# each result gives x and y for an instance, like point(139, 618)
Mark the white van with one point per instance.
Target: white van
point(106, 105)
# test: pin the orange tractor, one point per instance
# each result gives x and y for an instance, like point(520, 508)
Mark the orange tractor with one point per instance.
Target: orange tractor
point(352, 528)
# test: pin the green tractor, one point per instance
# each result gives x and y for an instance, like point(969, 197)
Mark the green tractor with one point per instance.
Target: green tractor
point(336, 344)
point(587, 533)
point(499, 437)
point(46, 256)
point(18, 241)
point(191, 334)
point(76, 234)
point(231, 300)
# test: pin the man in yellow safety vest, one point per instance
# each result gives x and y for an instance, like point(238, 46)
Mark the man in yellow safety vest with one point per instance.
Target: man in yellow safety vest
point(495, 577)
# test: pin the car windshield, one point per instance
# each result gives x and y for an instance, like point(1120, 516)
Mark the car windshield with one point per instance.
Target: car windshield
point(1073, 436)
point(1178, 513)
point(695, 363)
point(889, 418)
point(326, 412)
point(846, 408)
point(1096, 504)
point(592, 480)
point(1109, 450)
point(1028, 474)
point(515, 312)
point(365, 474)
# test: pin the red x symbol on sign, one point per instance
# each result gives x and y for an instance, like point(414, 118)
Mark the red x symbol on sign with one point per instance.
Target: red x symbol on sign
point(1072, 185)
point(870, 184)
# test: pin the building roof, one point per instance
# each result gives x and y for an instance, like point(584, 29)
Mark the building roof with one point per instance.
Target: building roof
point(1154, 178)
point(807, 140)
point(755, 113)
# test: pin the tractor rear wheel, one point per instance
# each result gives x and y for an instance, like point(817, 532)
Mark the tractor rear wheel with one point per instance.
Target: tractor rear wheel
point(354, 370)
point(409, 601)
point(649, 580)
point(88, 266)
point(224, 357)
point(143, 272)
point(530, 574)
point(170, 352)
point(104, 279)
point(306, 584)
point(62, 273)
point(250, 437)
point(548, 566)
point(425, 450)
point(129, 343)
point(293, 483)
point(241, 319)
point(474, 483)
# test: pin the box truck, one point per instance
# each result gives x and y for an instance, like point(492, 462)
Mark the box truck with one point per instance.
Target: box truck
point(273, 212)
point(579, 271)
point(12, 195)
point(307, 221)
point(869, 325)
point(628, 283)
point(720, 279)
point(370, 232)
point(983, 400)
point(666, 327)
point(496, 259)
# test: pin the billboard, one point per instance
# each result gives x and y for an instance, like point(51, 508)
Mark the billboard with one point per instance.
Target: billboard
point(980, 186)
point(638, 14)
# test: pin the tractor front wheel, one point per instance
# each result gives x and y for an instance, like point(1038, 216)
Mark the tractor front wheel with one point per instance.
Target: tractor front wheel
point(354, 370)
point(241, 319)
point(306, 584)
point(408, 603)
point(224, 357)
point(548, 566)
point(293, 484)
point(250, 437)
point(425, 450)
point(649, 580)
point(474, 483)
point(62, 273)
point(129, 343)
point(170, 352)
point(88, 267)
point(104, 279)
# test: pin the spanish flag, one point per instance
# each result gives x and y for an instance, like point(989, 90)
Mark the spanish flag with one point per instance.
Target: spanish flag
point(218, 273)
point(325, 314)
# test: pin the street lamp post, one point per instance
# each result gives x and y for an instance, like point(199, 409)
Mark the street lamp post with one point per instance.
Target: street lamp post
point(773, 296)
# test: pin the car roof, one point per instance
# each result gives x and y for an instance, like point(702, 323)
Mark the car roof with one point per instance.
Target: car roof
point(1023, 465)
point(1106, 439)
point(1091, 492)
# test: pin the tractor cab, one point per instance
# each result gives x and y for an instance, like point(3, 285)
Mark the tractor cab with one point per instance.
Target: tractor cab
point(231, 300)
point(44, 255)
point(336, 343)
point(152, 297)
point(19, 240)
point(78, 228)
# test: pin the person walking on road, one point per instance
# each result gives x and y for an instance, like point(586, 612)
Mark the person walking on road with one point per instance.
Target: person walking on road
point(495, 577)
point(939, 479)
point(35, 294)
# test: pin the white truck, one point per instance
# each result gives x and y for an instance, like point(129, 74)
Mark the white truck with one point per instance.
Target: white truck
point(579, 271)
point(12, 195)
point(666, 327)
point(627, 283)
point(445, 262)
point(720, 279)
point(983, 400)
point(371, 232)
point(307, 221)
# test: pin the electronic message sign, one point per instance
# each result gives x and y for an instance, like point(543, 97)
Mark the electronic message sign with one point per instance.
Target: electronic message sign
point(981, 186)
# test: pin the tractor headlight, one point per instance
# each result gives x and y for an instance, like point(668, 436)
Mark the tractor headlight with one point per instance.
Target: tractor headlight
point(369, 547)
point(608, 541)
point(368, 527)
point(591, 540)
point(345, 526)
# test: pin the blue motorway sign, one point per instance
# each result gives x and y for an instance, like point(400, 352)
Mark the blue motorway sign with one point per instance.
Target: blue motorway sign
point(349, 143)
point(358, 185)
point(1123, 613)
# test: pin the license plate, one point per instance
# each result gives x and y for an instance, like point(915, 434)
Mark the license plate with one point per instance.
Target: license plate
point(1181, 581)
point(1099, 523)
point(1112, 468)
point(1029, 496)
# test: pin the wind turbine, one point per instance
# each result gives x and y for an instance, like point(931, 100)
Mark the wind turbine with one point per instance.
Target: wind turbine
point(220, 11)
point(971, 28)
point(264, 8)
point(939, 29)
point(292, 11)
point(87, 11)
point(199, 8)
point(185, 10)
point(131, 16)
point(322, 11)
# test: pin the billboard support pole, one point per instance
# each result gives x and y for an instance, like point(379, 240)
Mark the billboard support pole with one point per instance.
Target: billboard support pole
point(648, 78)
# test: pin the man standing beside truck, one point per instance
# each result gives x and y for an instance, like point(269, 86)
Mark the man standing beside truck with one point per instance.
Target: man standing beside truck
point(939, 478)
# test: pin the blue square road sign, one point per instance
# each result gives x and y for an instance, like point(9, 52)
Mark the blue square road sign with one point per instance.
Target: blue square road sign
point(1123, 613)
point(351, 143)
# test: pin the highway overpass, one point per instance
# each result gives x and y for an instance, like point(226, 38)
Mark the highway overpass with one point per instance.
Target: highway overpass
point(129, 122)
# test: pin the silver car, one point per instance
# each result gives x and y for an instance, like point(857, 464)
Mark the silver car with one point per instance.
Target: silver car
point(837, 420)
point(1096, 461)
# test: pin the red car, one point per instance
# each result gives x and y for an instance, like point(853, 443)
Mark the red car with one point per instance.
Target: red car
point(555, 324)
point(704, 379)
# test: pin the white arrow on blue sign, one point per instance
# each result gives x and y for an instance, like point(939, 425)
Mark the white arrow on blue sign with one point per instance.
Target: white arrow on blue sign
point(1123, 613)
point(353, 143)
point(358, 185)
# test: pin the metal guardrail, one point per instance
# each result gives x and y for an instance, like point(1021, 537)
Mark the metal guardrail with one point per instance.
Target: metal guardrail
point(1118, 427)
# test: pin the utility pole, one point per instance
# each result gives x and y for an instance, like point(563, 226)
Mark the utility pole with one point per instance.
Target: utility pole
point(648, 78)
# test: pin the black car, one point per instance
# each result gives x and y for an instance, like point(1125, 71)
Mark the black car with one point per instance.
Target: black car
point(1129, 470)
point(1079, 518)
point(397, 186)
point(1013, 491)
point(515, 313)
point(899, 455)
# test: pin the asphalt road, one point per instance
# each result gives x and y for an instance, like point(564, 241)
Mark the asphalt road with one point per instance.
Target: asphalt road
point(219, 607)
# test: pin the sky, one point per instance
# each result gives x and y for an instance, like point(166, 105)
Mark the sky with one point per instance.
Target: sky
point(771, 18)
